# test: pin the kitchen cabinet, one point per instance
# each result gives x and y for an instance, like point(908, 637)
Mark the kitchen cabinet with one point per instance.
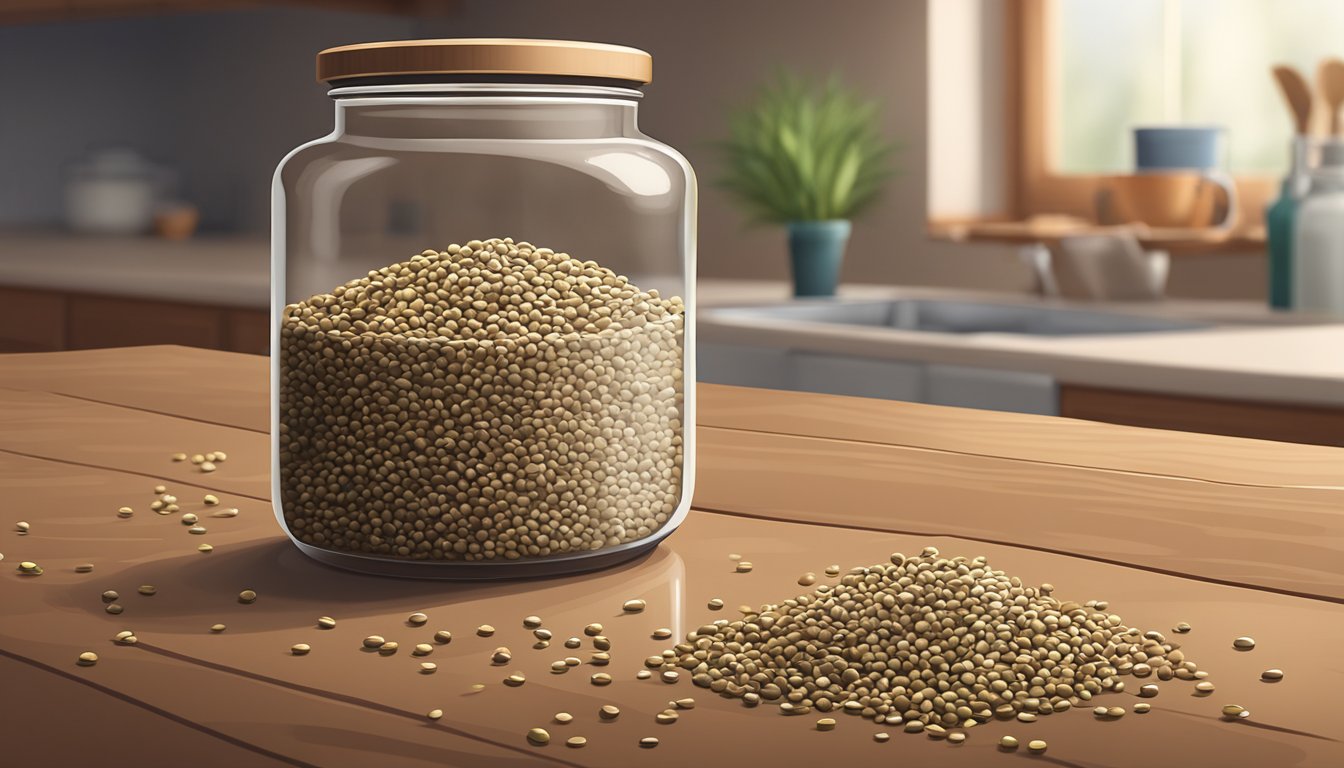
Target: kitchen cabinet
point(791, 481)
point(1319, 425)
point(35, 320)
point(911, 381)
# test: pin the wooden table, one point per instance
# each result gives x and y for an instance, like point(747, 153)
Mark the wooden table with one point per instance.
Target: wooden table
point(1236, 537)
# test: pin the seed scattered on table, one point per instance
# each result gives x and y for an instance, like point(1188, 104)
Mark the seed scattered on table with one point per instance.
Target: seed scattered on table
point(1234, 711)
point(428, 667)
point(593, 630)
point(1026, 717)
point(22, 527)
point(443, 637)
point(125, 512)
point(207, 466)
point(300, 649)
point(230, 512)
point(148, 590)
point(648, 742)
point(601, 678)
point(661, 633)
point(114, 608)
point(501, 656)
point(670, 676)
point(422, 649)
point(122, 635)
point(826, 724)
point(1181, 627)
point(609, 712)
point(1148, 691)
point(485, 630)
point(743, 567)
point(667, 716)
point(179, 457)
point(417, 619)
point(573, 643)
point(389, 648)
point(189, 518)
point(217, 627)
point(1204, 687)
point(687, 703)
point(374, 641)
point(602, 642)
point(29, 568)
point(1272, 675)
point(247, 597)
point(1243, 643)
point(196, 530)
point(539, 736)
point(1008, 743)
point(211, 499)
point(600, 659)
point(832, 570)
point(1038, 746)
point(715, 604)
point(634, 606)
point(576, 742)
point(515, 680)
point(807, 579)
point(1142, 708)
point(881, 736)
point(87, 659)
point(81, 568)
point(956, 737)
point(559, 667)
point(434, 714)
point(643, 674)
point(326, 622)
point(198, 459)
point(563, 717)
point(531, 622)
point(207, 548)
point(542, 634)
point(477, 687)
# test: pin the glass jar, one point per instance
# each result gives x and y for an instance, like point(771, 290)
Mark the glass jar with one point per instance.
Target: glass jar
point(482, 338)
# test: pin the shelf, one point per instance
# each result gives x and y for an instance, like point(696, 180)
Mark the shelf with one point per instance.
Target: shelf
point(1050, 230)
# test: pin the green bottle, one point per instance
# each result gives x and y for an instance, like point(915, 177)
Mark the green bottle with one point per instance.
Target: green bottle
point(1279, 238)
point(1280, 217)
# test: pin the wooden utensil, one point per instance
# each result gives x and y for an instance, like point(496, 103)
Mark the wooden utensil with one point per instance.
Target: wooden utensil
point(1330, 80)
point(1298, 95)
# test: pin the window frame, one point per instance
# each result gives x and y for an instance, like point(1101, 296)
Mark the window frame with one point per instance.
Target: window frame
point(1036, 185)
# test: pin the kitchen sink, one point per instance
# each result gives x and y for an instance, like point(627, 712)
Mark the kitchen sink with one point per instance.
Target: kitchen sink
point(963, 317)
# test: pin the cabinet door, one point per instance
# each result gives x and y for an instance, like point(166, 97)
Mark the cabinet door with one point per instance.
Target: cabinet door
point(742, 365)
point(31, 320)
point(856, 376)
point(991, 390)
point(105, 321)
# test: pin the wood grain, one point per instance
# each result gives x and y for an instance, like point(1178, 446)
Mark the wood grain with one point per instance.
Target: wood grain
point(1316, 425)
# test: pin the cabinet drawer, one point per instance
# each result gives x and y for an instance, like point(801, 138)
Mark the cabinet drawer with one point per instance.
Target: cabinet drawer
point(31, 321)
point(96, 321)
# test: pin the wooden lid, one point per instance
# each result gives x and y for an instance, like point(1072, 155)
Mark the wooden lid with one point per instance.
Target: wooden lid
point(485, 56)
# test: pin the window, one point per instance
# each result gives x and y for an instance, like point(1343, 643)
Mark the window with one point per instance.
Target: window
point(1204, 62)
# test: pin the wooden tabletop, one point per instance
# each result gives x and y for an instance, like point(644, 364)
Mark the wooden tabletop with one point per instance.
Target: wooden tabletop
point(1236, 537)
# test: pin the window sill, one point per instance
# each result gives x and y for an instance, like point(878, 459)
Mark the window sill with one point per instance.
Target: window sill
point(1048, 230)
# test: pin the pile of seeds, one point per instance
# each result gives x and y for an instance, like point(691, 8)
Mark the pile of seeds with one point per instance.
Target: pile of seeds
point(929, 642)
point(492, 401)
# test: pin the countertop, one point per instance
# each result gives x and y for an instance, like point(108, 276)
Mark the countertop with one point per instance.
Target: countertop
point(1250, 353)
point(1236, 537)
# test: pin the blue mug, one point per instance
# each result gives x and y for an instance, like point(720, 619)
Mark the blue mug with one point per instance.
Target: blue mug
point(1164, 149)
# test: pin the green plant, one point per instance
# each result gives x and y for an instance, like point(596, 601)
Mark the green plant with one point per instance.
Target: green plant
point(803, 152)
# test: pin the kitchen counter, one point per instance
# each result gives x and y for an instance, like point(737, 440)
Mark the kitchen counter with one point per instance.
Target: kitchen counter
point(1236, 537)
point(1251, 353)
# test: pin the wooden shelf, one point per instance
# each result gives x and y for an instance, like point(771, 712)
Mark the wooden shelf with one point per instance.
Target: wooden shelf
point(1050, 230)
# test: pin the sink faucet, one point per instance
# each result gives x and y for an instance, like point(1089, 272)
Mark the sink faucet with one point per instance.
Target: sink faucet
point(1037, 258)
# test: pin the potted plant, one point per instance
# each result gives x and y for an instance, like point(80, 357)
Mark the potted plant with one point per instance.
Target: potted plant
point(810, 157)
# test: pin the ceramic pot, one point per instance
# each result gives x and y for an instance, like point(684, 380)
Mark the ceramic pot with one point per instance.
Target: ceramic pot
point(816, 249)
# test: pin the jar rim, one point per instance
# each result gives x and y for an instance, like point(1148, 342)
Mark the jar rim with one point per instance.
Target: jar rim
point(478, 89)
point(485, 56)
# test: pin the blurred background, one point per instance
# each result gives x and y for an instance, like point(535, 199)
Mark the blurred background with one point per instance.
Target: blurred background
point(1029, 251)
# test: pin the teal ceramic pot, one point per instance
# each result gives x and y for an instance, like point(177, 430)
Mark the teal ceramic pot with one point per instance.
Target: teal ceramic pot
point(816, 249)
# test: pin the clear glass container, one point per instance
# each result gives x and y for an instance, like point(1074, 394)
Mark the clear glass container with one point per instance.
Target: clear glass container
point(482, 337)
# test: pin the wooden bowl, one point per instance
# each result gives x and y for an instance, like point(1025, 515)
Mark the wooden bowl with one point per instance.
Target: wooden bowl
point(1176, 199)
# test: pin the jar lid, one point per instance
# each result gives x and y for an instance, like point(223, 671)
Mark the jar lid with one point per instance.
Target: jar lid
point(485, 56)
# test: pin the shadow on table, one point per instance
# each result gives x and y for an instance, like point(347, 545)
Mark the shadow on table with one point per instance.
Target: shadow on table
point(286, 581)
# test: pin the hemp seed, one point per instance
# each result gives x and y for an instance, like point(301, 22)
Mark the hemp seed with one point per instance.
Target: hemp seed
point(300, 649)
point(601, 678)
point(485, 630)
point(434, 714)
point(609, 712)
point(84, 568)
point(326, 622)
point(634, 606)
point(247, 597)
point(443, 637)
point(1244, 643)
point(1271, 675)
point(374, 642)
point(648, 742)
point(87, 659)
point(563, 717)
point(576, 742)
point(417, 619)
point(539, 736)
